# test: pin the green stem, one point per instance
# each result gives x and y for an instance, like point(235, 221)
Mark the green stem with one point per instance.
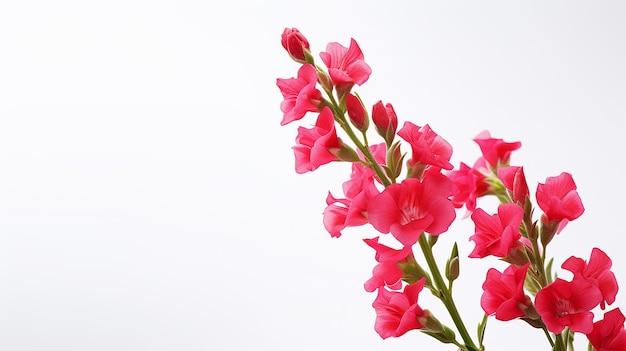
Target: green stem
point(444, 294)
point(340, 118)
point(545, 331)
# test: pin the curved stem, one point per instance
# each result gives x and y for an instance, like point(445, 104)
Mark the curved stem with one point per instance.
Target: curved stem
point(444, 294)
point(340, 118)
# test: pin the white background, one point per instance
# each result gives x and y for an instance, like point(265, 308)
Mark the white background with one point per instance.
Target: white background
point(148, 199)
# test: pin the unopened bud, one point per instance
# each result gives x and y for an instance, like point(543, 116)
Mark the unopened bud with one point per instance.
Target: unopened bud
point(346, 153)
point(385, 120)
point(547, 230)
point(296, 44)
point(356, 112)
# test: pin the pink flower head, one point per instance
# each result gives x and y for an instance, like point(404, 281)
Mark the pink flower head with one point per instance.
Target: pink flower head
point(559, 199)
point(385, 120)
point(314, 146)
point(295, 43)
point(568, 304)
point(349, 212)
point(471, 184)
point(411, 207)
point(496, 234)
point(504, 293)
point(608, 334)
point(597, 272)
point(345, 65)
point(514, 180)
point(497, 152)
point(301, 95)
point(397, 312)
point(387, 273)
point(427, 147)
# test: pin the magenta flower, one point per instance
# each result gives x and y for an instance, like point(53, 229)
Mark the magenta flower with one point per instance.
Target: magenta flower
point(608, 334)
point(346, 65)
point(427, 147)
point(386, 273)
point(567, 304)
point(315, 146)
point(559, 199)
point(496, 234)
point(301, 95)
point(597, 272)
point(397, 312)
point(471, 184)
point(295, 43)
point(497, 152)
point(411, 207)
point(504, 293)
point(349, 212)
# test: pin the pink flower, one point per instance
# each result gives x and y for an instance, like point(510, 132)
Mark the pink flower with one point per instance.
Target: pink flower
point(471, 184)
point(397, 312)
point(346, 65)
point(608, 334)
point(349, 212)
point(387, 273)
point(496, 234)
point(597, 272)
point(295, 43)
point(427, 147)
point(504, 293)
point(301, 95)
point(497, 152)
point(568, 304)
point(411, 207)
point(314, 146)
point(559, 199)
point(514, 180)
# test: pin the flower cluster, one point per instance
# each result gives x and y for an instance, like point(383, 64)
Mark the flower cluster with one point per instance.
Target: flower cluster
point(412, 210)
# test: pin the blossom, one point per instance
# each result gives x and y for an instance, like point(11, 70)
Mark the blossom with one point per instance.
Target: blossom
point(514, 180)
point(608, 334)
point(386, 272)
point(427, 147)
point(559, 199)
point(471, 184)
point(346, 65)
point(398, 312)
point(504, 293)
point(349, 212)
point(496, 234)
point(295, 43)
point(597, 272)
point(567, 304)
point(301, 95)
point(496, 151)
point(314, 146)
point(411, 207)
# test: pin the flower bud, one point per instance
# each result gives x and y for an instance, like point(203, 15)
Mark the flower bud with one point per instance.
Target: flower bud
point(357, 113)
point(345, 153)
point(385, 120)
point(547, 230)
point(296, 44)
point(515, 181)
point(453, 265)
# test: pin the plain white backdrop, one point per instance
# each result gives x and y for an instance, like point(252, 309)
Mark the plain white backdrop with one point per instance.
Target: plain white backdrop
point(148, 198)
